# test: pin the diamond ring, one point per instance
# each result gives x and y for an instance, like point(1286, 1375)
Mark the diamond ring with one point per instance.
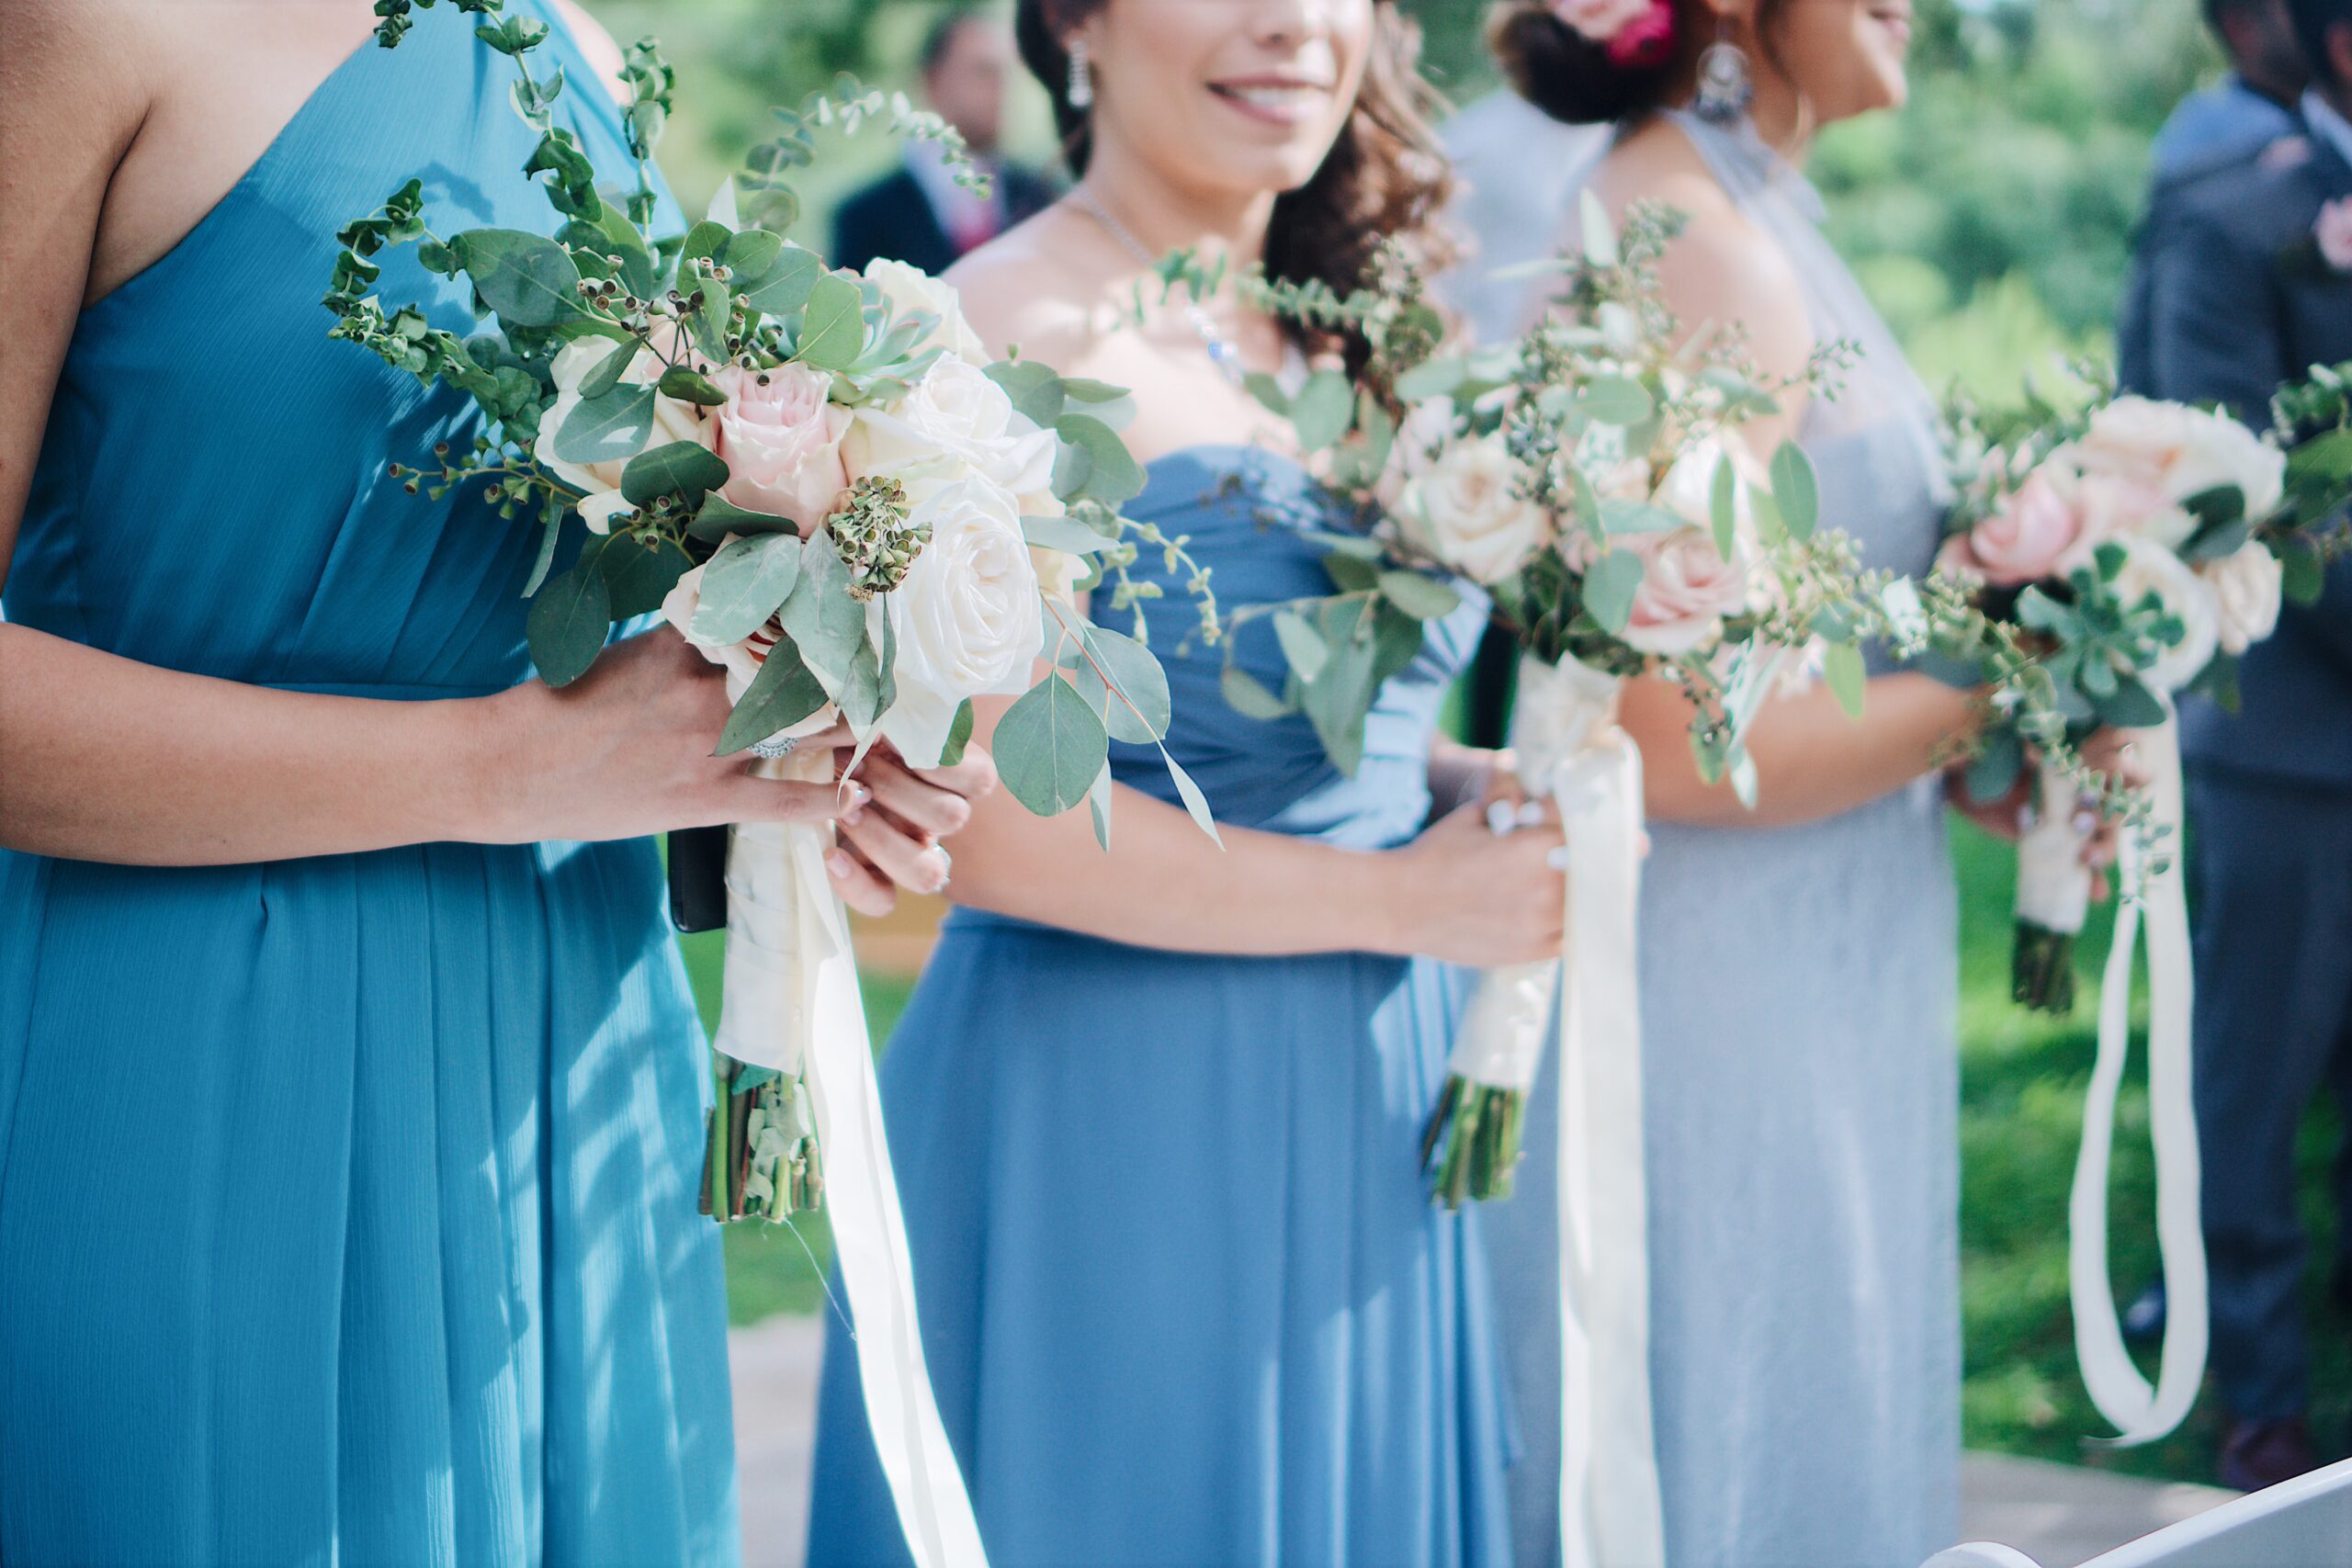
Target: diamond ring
point(775, 746)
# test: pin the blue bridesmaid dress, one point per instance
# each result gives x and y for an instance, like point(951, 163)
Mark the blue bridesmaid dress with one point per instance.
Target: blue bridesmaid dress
point(1185, 1300)
point(347, 1203)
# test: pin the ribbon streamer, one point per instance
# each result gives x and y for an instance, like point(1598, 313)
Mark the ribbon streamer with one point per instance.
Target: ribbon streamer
point(2140, 1413)
point(1564, 730)
point(792, 1003)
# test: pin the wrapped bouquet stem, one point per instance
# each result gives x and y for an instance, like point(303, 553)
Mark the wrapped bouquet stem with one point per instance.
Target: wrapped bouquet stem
point(1571, 751)
point(2053, 894)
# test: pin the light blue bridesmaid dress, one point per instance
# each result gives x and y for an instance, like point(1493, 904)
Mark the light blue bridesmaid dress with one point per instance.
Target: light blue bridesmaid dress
point(1184, 1297)
point(346, 1204)
point(1798, 988)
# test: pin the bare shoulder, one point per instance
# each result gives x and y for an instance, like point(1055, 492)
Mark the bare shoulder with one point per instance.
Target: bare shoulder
point(101, 56)
point(594, 42)
point(1021, 290)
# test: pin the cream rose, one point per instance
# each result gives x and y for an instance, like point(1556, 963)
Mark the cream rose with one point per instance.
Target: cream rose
point(780, 435)
point(2246, 588)
point(910, 289)
point(1687, 590)
point(954, 421)
point(2177, 452)
point(1466, 510)
point(2149, 568)
point(673, 420)
point(967, 616)
point(1424, 433)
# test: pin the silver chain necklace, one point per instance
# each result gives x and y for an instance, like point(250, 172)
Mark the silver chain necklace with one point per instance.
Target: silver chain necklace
point(1223, 351)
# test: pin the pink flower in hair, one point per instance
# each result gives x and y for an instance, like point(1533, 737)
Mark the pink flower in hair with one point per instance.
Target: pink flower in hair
point(1636, 33)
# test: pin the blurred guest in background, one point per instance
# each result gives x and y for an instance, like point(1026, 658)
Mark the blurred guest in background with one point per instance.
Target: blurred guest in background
point(2247, 286)
point(918, 214)
point(2222, 127)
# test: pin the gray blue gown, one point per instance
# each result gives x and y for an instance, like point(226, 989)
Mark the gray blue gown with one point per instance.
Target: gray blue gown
point(1801, 1082)
point(347, 1204)
point(1184, 1297)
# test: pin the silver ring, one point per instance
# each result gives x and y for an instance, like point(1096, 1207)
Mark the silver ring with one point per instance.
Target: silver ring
point(946, 867)
point(775, 746)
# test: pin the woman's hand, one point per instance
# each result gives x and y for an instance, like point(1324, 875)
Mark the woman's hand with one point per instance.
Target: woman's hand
point(2113, 753)
point(1466, 894)
point(628, 750)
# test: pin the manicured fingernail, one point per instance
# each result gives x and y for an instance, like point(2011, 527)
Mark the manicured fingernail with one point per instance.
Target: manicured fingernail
point(1531, 812)
point(2086, 822)
point(1559, 859)
point(836, 863)
point(1501, 818)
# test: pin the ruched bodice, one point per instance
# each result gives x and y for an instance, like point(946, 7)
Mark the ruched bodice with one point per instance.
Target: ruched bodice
point(212, 493)
point(347, 1204)
point(1184, 1297)
point(1250, 511)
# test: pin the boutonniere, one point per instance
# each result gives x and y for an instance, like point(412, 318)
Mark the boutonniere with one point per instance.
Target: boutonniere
point(2327, 252)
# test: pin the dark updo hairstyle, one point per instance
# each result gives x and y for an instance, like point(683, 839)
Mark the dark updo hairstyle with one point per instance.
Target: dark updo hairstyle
point(1571, 77)
point(1386, 177)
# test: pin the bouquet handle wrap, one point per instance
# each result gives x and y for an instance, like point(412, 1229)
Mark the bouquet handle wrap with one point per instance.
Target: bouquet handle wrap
point(1564, 730)
point(792, 1003)
point(2140, 1413)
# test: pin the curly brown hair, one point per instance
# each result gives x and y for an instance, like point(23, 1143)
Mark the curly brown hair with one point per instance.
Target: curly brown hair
point(1386, 178)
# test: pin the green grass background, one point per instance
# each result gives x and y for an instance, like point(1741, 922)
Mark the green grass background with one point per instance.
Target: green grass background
point(2023, 1078)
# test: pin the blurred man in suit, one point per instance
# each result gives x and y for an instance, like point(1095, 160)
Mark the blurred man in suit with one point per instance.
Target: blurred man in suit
point(2219, 128)
point(2240, 298)
point(918, 214)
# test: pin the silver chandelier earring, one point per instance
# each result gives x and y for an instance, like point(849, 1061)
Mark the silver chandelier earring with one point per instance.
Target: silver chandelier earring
point(1725, 87)
point(1081, 76)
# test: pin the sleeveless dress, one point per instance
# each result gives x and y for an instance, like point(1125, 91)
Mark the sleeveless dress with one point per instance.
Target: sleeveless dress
point(347, 1204)
point(1800, 1077)
point(1184, 1297)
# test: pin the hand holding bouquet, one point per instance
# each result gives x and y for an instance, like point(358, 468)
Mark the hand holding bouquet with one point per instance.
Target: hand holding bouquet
point(821, 480)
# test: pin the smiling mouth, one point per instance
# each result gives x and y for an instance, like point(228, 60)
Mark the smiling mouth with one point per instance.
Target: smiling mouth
point(1275, 100)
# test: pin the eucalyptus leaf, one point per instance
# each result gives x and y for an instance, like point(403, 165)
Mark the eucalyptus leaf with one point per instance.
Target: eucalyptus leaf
point(1615, 399)
point(1433, 379)
point(1248, 697)
point(1795, 491)
point(1422, 597)
point(569, 621)
point(1339, 700)
point(1600, 235)
point(788, 283)
point(1301, 645)
point(785, 692)
point(607, 371)
point(1034, 389)
point(719, 517)
point(689, 386)
point(821, 618)
point(1323, 409)
point(1609, 585)
point(1139, 708)
point(607, 428)
point(528, 279)
point(640, 575)
point(1050, 746)
point(1112, 475)
point(1268, 392)
point(685, 469)
point(1066, 534)
point(1723, 506)
point(745, 583)
point(749, 254)
point(1843, 671)
point(959, 735)
point(832, 331)
point(1195, 803)
point(1992, 772)
point(1097, 806)
point(2131, 705)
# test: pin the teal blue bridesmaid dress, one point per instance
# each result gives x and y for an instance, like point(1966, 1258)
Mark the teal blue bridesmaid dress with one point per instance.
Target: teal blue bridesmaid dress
point(347, 1203)
point(1184, 1298)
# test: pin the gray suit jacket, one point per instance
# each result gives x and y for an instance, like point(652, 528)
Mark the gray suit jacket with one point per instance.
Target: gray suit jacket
point(2230, 314)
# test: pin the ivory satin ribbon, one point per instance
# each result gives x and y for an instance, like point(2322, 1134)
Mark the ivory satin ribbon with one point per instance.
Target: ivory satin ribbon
point(2140, 1413)
point(1563, 728)
point(791, 1002)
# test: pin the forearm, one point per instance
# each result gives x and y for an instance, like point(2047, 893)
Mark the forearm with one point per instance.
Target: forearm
point(1812, 760)
point(104, 759)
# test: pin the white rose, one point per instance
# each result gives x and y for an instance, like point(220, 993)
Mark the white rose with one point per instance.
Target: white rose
point(955, 420)
point(1466, 511)
point(1424, 433)
point(2246, 588)
point(673, 420)
point(740, 659)
point(2148, 568)
point(2177, 452)
point(909, 289)
point(966, 616)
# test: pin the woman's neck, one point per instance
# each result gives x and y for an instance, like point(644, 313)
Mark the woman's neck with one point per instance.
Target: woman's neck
point(1165, 215)
point(1783, 120)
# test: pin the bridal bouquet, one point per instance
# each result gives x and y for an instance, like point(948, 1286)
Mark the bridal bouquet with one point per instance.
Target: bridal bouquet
point(2118, 554)
point(830, 488)
point(1592, 479)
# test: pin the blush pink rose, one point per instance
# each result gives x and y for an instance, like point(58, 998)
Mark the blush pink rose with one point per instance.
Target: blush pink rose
point(1687, 586)
point(2037, 533)
point(780, 435)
